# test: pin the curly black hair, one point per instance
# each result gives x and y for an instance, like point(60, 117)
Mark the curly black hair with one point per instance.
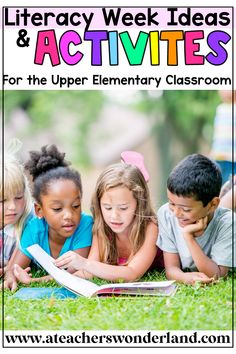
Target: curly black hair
point(48, 165)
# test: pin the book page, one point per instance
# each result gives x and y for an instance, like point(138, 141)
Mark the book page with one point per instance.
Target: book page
point(139, 285)
point(73, 283)
point(162, 288)
point(87, 288)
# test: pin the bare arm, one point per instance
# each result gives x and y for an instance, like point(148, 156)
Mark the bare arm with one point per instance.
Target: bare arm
point(93, 256)
point(203, 263)
point(10, 281)
point(18, 271)
point(132, 271)
point(9, 264)
point(83, 252)
point(22, 274)
point(229, 199)
point(174, 272)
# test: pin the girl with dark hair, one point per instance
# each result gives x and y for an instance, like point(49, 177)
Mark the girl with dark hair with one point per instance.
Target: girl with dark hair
point(60, 225)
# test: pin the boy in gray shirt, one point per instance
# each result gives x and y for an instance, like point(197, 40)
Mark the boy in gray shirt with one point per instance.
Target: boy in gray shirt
point(194, 233)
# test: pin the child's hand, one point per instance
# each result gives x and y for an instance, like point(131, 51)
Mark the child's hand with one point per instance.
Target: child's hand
point(196, 229)
point(70, 260)
point(22, 275)
point(193, 277)
point(10, 282)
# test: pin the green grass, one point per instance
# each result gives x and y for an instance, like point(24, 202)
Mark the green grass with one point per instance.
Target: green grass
point(192, 307)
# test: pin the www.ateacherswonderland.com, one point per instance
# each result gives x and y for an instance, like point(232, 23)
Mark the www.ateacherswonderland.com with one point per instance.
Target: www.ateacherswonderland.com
point(124, 339)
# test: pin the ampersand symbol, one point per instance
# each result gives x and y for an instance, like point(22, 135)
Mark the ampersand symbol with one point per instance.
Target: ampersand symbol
point(22, 41)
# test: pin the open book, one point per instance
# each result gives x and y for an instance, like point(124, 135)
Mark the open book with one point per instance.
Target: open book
point(87, 288)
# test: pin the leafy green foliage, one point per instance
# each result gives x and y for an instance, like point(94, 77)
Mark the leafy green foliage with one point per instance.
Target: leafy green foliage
point(182, 124)
point(183, 114)
point(190, 110)
point(43, 108)
point(179, 116)
point(181, 120)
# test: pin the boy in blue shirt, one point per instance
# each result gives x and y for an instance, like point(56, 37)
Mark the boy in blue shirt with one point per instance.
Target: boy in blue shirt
point(194, 233)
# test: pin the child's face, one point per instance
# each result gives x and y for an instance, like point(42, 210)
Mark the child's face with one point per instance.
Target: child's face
point(61, 208)
point(118, 207)
point(11, 208)
point(188, 210)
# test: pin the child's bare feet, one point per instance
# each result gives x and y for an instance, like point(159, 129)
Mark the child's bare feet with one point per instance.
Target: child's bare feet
point(22, 275)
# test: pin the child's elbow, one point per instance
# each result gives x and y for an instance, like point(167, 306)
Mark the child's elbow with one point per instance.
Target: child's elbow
point(170, 273)
point(169, 276)
point(130, 275)
point(223, 271)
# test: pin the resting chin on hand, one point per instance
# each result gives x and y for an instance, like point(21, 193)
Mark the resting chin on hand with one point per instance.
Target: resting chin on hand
point(195, 230)
point(204, 264)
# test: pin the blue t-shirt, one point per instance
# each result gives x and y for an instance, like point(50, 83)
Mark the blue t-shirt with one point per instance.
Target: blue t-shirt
point(36, 231)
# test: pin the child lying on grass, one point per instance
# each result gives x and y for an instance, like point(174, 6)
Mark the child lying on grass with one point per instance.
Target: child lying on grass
point(194, 233)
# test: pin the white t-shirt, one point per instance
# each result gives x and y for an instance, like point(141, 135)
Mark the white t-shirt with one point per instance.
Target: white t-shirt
point(216, 242)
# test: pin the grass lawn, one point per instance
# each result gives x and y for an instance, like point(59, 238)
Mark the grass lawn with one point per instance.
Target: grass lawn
point(191, 308)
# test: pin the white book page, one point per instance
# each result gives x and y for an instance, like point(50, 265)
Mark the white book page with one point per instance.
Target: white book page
point(73, 283)
point(140, 285)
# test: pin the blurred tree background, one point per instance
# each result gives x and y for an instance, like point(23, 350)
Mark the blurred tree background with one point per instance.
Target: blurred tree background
point(182, 124)
point(181, 121)
point(43, 107)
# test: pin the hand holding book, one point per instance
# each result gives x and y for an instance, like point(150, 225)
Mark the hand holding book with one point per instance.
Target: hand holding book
point(87, 288)
point(70, 259)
